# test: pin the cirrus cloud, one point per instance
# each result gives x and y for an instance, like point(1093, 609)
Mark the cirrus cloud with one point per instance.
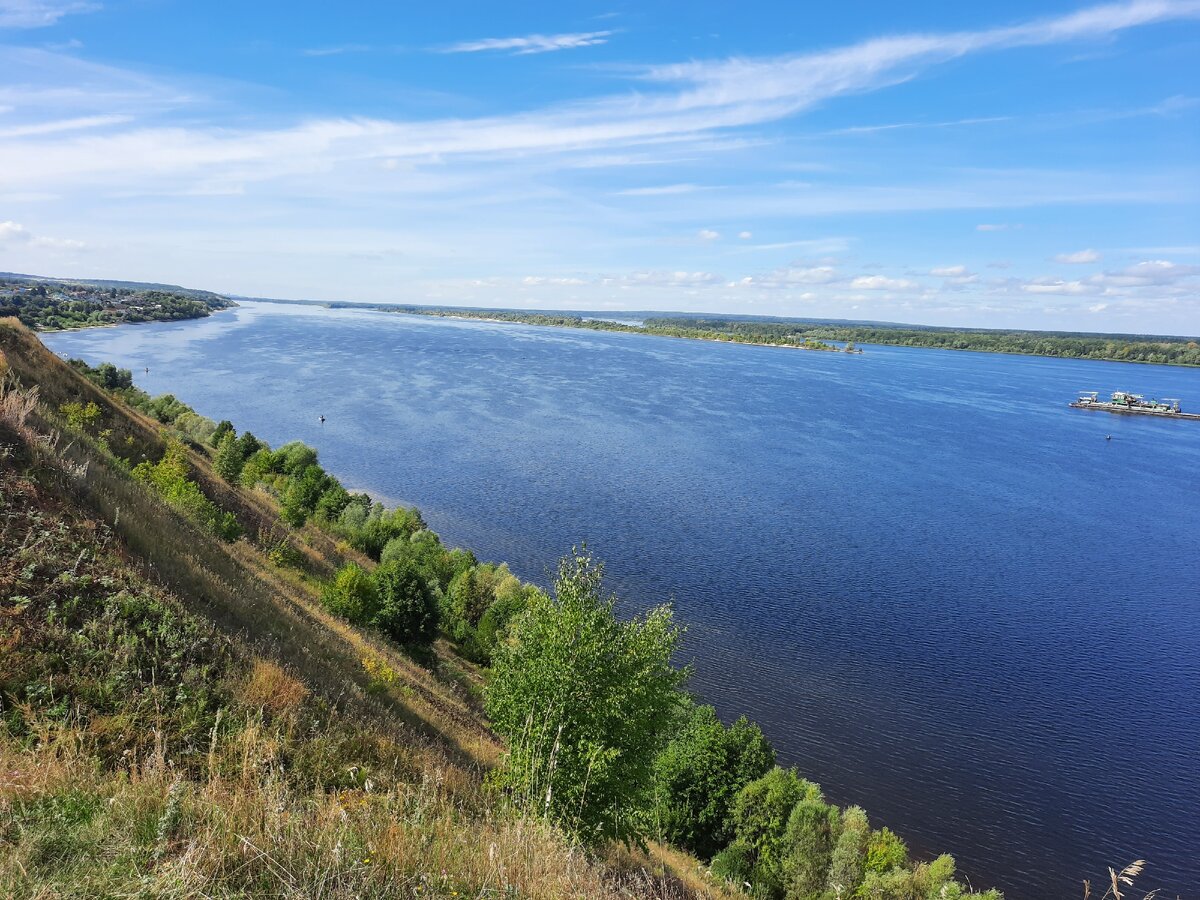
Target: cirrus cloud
point(532, 43)
point(39, 13)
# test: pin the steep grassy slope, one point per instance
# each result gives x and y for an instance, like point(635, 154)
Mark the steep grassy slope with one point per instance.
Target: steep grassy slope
point(180, 717)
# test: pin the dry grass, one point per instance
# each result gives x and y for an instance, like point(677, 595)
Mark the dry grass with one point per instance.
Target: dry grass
point(1120, 883)
point(250, 834)
point(269, 688)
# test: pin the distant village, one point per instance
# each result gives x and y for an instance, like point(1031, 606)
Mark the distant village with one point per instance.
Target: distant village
point(47, 305)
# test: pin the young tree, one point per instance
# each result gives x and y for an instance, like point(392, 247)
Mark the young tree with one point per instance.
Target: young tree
point(407, 608)
point(494, 626)
point(812, 830)
point(223, 428)
point(761, 814)
point(848, 863)
point(228, 461)
point(584, 700)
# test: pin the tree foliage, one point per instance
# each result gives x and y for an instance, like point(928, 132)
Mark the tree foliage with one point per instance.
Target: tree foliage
point(698, 775)
point(407, 608)
point(583, 700)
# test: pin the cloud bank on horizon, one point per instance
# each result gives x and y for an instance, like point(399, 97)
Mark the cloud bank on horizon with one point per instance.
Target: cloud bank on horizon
point(973, 167)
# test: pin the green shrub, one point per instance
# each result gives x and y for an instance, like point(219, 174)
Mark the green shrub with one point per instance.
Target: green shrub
point(761, 813)
point(169, 477)
point(698, 775)
point(352, 594)
point(228, 461)
point(407, 608)
point(848, 863)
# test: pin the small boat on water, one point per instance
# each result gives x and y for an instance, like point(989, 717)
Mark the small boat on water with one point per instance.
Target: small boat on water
point(1132, 404)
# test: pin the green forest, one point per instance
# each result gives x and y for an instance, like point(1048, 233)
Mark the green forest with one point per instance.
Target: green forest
point(1120, 348)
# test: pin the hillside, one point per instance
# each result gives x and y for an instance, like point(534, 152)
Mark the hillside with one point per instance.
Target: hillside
point(179, 715)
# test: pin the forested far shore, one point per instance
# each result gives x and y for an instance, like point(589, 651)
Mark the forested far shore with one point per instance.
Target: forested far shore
point(52, 304)
point(1170, 351)
point(1160, 350)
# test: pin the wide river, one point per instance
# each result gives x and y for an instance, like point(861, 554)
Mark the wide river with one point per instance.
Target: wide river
point(943, 594)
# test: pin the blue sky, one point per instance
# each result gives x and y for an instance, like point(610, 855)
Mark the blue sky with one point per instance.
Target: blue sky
point(1024, 164)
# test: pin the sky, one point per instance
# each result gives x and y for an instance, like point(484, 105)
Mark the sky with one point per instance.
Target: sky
point(1002, 165)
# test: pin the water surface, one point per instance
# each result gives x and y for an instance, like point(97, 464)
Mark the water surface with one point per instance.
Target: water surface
point(943, 594)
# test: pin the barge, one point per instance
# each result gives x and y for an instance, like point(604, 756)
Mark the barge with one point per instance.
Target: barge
point(1132, 404)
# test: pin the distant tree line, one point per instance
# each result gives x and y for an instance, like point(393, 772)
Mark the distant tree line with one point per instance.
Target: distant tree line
point(1163, 350)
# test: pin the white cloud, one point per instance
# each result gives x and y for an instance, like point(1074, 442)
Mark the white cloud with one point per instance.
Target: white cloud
point(1054, 286)
point(816, 246)
point(39, 13)
point(661, 190)
point(668, 279)
point(14, 233)
point(1098, 307)
point(540, 280)
point(745, 235)
point(1080, 256)
point(1151, 272)
point(948, 271)
point(696, 99)
point(707, 234)
point(871, 129)
point(336, 51)
point(60, 125)
point(788, 277)
point(1002, 226)
point(532, 43)
point(881, 283)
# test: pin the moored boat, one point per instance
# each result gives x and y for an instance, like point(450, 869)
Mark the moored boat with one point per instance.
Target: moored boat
point(1132, 404)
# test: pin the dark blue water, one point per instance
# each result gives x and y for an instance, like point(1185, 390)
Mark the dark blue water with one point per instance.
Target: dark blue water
point(943, 594)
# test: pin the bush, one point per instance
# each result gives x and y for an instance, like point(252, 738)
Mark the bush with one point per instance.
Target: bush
point(699, 773)
point(761, 814)
point(352, 594)
point(847, 865)
point(734, 864)
point(79, 416)
point(812, 830)
point(169, 477)
point(228, 461)
point(407, 608)
point(495, 622)
point(223, 428)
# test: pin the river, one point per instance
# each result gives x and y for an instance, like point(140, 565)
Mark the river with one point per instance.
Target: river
point(944, 595)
